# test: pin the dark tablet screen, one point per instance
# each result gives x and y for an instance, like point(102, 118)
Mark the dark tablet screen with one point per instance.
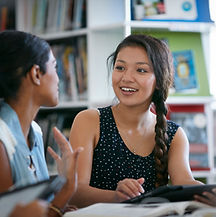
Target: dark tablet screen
point(173, 193)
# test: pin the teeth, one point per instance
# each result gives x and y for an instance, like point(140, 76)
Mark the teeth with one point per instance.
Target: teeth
point(128, 89)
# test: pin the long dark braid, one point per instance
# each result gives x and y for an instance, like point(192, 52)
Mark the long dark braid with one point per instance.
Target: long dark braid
point(163, 68)
point(160, 149)
point(162, 63)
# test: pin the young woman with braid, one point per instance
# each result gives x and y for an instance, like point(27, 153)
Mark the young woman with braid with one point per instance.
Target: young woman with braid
point(128, 149)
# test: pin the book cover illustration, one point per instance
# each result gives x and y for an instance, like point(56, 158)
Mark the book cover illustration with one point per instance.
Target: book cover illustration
point(143, 9)
point(185, 75)
point(165, 10)
point(195, 127)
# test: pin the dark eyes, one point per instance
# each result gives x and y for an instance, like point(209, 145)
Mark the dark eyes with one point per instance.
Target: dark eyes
point(140, 70)
point(119, 68)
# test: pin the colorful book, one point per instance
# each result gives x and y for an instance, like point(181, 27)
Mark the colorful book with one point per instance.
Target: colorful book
point(194, 125)
point(192, 119)
point(169, 10)
point(185, 75)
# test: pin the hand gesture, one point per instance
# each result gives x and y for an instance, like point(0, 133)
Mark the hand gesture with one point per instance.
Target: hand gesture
point(207, 198)
point(128, 188)
point(67, 162)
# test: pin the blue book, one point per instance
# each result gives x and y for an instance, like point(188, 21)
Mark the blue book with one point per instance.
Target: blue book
point(185, 76)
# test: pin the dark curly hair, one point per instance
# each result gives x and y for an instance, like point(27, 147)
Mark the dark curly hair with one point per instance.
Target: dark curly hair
point(162, 62)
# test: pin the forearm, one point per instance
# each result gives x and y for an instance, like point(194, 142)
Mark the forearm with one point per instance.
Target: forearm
point(194, 182)
point(87, 195)
point(61, 199)
point(186, 181)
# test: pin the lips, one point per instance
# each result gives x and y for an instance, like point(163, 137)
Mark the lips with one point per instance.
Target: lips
point(128, 89)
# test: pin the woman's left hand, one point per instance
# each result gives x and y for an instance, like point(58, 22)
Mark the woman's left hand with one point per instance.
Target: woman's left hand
point(207, 198)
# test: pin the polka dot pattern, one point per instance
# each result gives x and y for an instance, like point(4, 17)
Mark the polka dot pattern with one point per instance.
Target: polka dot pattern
point(113, 161)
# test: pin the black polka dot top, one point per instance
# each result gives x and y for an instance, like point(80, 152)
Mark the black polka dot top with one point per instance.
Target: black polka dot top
point(113, 161)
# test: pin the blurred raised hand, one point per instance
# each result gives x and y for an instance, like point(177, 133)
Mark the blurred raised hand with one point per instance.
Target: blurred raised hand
point(67, 162)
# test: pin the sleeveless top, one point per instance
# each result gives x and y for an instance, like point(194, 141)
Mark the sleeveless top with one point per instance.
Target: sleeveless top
point(19, 154)
point(113, 161)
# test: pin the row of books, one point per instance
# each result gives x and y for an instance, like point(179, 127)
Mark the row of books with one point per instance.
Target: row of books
point(192, 119)
point(47, 16)
point(72, 69)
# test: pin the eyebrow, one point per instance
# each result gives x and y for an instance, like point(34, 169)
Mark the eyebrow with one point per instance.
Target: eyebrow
point(140, 63)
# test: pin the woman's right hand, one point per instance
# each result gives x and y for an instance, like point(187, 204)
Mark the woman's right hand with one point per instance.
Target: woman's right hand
point(128, 188)
point(207, 197)
point(67, 162)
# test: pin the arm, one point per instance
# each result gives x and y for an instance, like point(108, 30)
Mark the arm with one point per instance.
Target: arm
point(67, 166)
point(85, 133)
point(5, 170)
point(178, 160)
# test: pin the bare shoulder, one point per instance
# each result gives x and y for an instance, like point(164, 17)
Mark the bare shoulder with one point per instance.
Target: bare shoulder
point(179, 135)
point(87, 120)
point(180, 142)
point(88, 116)
point(85, 129)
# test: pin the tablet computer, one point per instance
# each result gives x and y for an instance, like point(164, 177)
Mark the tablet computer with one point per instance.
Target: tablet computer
point(171, 193)
point(40, 190)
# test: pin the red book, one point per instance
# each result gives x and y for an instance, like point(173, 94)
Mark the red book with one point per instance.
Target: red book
point(3, 18)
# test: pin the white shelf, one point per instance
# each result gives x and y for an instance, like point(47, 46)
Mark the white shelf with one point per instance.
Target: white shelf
point(190, 99)
point(69, 104)
point(197, 174)
point(172, 26)
point(65, 34)
point(160, 25)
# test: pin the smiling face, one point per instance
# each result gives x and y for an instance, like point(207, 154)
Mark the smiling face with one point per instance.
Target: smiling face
point(133, 78)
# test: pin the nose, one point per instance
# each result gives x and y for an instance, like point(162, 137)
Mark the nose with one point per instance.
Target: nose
point(127, 75)
point(57, 77)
